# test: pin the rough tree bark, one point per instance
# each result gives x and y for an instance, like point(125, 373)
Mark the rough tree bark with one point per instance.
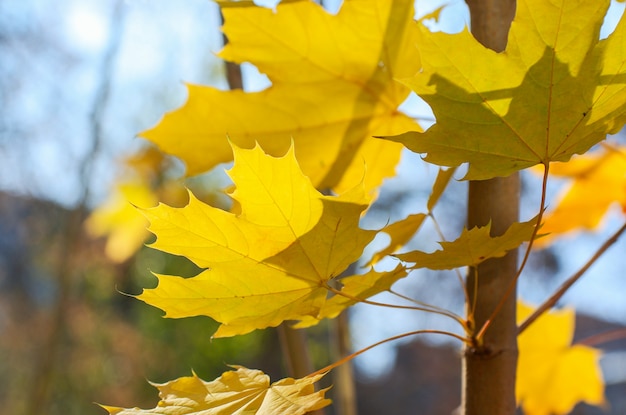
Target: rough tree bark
point(489, 367)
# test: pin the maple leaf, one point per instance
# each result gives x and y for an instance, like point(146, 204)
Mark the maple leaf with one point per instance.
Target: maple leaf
point(243, 391)
point(555, 91)
point(472, 247)
point(605, 170)
point(552, 374)
point(329, 96)
point(267, 264)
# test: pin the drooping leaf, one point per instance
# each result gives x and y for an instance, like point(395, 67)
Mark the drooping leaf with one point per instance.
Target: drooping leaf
point(555, 91)
point(333, 88)
point(241, 392)
point(598, 182)
point(441, 183)
point(270, 262)
point(552, 374)
point(401, 232)
point(472, 247)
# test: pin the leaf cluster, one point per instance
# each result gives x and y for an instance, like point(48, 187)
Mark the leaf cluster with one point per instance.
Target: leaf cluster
point(307, 165)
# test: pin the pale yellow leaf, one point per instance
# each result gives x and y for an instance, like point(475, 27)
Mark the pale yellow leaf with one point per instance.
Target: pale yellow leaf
point(240, 392)
point(333, 88)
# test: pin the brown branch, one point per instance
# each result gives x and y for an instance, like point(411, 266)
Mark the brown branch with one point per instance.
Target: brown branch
point(233, 70)
point(389, 339)
point(600, 338)
point(550, 302)
point(343, 378)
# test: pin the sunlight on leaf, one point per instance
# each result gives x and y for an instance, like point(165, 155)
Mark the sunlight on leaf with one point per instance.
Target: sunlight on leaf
point(552, 374)
point(243, 391)
point(555, 91)
point(270, 262)
point(329, 96)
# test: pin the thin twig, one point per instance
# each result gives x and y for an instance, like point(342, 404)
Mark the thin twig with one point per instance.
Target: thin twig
point(550, 302)
point(600, 338)
point(400, 336)
point(423, 304)
point(403, 307)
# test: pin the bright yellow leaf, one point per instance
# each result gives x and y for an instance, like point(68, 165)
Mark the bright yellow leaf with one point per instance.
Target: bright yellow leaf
point(555, 91)
point(552, 374)
point(240, 392)
point(267, 264)
point(472, 247)
point(599, 182)
point(333, 88)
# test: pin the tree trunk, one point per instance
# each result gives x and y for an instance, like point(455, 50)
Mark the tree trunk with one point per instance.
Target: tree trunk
point(489, 367)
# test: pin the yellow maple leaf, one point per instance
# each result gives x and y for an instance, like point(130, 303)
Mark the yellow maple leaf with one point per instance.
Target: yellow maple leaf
point(472, 247)
point(555, 91)
point(599, 181)
point(269, 263)
point(243, 391)
point(329, 96)
point(552, 374)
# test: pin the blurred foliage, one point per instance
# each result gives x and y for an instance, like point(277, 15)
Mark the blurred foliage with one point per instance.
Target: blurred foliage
point(110, 343)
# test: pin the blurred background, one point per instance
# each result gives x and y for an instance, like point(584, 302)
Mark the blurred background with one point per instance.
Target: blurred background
point(78, 80)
